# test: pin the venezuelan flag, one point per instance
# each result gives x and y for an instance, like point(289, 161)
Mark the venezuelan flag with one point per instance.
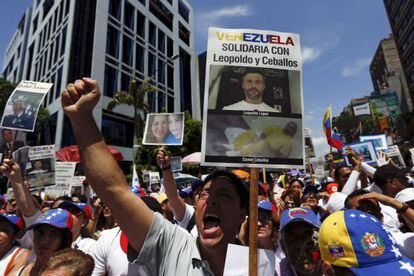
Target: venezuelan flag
point(333, 139)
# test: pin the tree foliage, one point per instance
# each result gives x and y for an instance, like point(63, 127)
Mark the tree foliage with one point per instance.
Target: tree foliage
point(347, 125)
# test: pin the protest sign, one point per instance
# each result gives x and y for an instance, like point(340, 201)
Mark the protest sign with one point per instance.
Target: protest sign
point(21, 156)
point(237, 261)
point(380, 141)
point(77, 185)
point(365, 151)
point(6, 140)
point(40, 170)
point(154, 177)
point(64, 176)
point(176, 164)
point(164, 129)
point(253, 105)
point(394, 153)
point(23, 104)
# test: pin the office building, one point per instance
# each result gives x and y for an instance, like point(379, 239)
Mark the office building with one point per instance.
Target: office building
point(112, 41)
point(401, 17)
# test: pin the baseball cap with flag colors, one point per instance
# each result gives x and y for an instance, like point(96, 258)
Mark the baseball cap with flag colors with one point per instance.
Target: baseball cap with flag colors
point(359, 242)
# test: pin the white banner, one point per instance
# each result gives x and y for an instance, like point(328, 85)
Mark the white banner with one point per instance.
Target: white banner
point(362, 109)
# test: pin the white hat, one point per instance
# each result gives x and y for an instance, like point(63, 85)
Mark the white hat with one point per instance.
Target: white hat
point(336, 202)
point(405, 195)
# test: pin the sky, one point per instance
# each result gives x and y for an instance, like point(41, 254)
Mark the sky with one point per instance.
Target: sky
point(338, 40)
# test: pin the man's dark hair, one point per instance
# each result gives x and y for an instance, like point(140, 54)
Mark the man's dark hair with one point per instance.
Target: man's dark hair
point(352, 195)
point(387, 172)
point(242, 191)
point(338, 169)
point(252, 70)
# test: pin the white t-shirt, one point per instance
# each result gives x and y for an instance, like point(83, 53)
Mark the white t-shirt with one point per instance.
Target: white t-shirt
point(109, 257)
point(189, 211)
point(243, 105)
point(84, 244)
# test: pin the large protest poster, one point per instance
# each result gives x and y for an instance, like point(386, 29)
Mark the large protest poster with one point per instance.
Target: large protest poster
point(40, 170)
point(253, 102)
point(23, 104)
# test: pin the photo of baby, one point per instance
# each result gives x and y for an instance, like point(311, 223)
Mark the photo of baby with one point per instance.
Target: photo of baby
point(164, 129)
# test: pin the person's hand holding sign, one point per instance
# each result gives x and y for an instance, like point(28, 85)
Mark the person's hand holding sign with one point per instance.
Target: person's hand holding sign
point(163, 160)
point(80, 98)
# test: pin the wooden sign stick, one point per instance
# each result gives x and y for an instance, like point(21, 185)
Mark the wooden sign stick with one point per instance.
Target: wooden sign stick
point(253, 217)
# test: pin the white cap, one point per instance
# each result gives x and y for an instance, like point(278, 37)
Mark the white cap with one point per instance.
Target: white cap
point(336, 202)
point(405, 195)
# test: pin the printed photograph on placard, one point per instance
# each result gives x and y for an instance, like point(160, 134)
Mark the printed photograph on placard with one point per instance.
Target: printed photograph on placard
point(176, 165)
point(164, 129)
point(365, 151)
point(254, 89)
point(237, 139)
point(22, 106)
point(40, 170)
point(380, 141)
point(7, 138)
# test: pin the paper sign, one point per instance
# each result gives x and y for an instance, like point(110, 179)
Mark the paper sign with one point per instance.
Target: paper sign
point(176, 165)
point(154, 177)
point(253, 105)
point(41, 169)
point(23, 104)
point(237, 261)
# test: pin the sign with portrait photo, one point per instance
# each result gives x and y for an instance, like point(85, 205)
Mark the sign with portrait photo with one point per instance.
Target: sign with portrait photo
point(380, 141)
point(253, 103)
point(176, 164)
point(40, 170)
point(393, 152)
point(365, 151)
point(164, 129)
point(7, 138)
point(23, 104)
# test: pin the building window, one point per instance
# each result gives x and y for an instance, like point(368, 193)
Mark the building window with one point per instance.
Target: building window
point(152, 34)
point(162, 13)
point(184, 34)
point(161, 41)
point(115, 8)
point(140, 25)
point(47, 5)
point(60, 13)
point(34, 23)
point(67, 7)
point(110, 81)
point(170, 77)
point(127, 50)
point(125, 80)
point(139, 58)
point(112, 41)
point(117, 132)
point(63, 45)
point(151, 64)
point(56, 55)
point(58, 83)
point(185, 80)
point(129, 12)
point(183, 10)
point(170, 47)
point(161, 71)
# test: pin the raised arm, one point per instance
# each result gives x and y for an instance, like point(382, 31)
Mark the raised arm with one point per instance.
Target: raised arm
point(24, 199)
point(102, 171)
point(176, 203)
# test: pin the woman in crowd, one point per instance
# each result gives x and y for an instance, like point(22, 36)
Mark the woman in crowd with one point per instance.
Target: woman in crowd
point(51, 233)
point(157, 129)
point(291, 198)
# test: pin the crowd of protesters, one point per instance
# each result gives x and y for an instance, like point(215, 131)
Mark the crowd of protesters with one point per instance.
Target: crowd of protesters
point(357, 221)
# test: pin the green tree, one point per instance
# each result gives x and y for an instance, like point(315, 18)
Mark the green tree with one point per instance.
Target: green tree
point(135, 97)
point(346, 124)
point(6, 88)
